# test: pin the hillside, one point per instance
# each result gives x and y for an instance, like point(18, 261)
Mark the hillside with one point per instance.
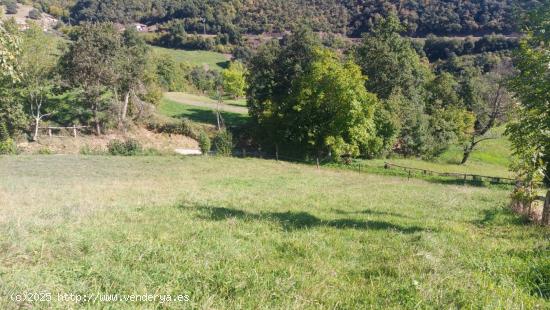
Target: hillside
point(233, 233)
point(454, 17)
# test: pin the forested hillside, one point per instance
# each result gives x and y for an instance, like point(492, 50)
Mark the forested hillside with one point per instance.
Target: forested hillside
point(450, 17)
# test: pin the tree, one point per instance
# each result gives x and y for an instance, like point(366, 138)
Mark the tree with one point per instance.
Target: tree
point(131, 69)
point(234, 82)
point(9, 51)
point(301, 96)
point(335, 110)
point(450, 121)
point(531, 86)
point(395, 70)
point(489, 101)
point(35, 14)
point(11, 7)
point(12, 115)
point(38, 65)
point(90, 66)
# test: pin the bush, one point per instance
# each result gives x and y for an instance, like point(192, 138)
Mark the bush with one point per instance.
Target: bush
point(184, 127)
point(130, 147)
point(35, 14)
point(88, 150)
point(44, 151)
point(8, 147)
point(223, 143)
point(11, 7)
point(204, 143)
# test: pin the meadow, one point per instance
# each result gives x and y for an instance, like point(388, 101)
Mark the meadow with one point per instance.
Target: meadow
point(250, 233)
point(214, 61)
point(201, 109)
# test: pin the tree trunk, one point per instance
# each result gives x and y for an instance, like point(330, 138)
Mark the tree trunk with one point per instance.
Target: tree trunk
point(124, 110)
point(96, 121)
point(546, 211)
point(36, 127)
point(467, 153)
point(125, 106)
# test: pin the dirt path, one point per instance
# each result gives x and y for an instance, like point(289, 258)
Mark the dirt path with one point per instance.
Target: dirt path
point(204, 102)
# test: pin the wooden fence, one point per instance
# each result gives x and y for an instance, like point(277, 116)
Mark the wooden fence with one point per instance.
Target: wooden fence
point(74, 129)
point(459, 176)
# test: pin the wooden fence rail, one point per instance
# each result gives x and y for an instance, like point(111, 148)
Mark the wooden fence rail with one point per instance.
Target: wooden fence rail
point(459, 176)
point(73, 128)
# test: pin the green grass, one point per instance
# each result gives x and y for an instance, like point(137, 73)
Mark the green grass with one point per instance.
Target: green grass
point(241, 102)
point(214, 61)
point(199, 114)
point(496, 152)
point(253, 234)
point(490, 158)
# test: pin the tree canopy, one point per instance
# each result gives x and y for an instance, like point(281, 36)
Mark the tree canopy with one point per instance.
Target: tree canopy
point(311, 102)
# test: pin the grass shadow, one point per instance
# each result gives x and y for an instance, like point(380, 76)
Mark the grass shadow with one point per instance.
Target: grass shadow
point(209, 117)
point(298, 220)
point(371, 212)
point(223, 64)
point(499, 216)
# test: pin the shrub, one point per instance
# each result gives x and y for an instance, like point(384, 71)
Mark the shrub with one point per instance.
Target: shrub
point(88, 150)
point(185, 127)
point(4, 134)
point(44, 151)
point(11, 7)
point(204, 143)
point(8, 147)
point(223, 143)
point(130, 147)
point(35, 14)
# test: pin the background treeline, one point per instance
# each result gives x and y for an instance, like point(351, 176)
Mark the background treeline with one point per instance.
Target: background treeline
point(450, 17)
point(380, 98)
point(437, 48)
point(97, 76)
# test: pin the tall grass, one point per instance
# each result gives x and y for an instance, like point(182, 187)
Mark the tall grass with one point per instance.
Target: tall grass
point(234, 233)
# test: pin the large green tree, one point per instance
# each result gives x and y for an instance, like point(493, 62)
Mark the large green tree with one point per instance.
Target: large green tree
point(38, 60)
point(234, 81)
point(12, 116)
point(131, 65)
point(90, 66)
point(530, 134)
point(396, 73)
point(304, 98)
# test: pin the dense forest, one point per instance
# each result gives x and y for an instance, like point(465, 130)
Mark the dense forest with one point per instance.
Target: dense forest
point(450, 17)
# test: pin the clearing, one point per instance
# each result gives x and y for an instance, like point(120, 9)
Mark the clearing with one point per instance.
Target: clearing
point(232, 106)
point(248, 233)
point(201, 109)
point(211, 60)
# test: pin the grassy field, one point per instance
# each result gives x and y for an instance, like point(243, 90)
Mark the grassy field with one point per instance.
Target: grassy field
point(200, 109)
point(244, 234)
point(490, 158)
point(213, 60)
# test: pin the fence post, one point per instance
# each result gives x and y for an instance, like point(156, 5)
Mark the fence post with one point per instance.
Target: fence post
point(318, 165)
point(74, 131)
point(409, 175)
point(49, 132)
point(277, 152)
